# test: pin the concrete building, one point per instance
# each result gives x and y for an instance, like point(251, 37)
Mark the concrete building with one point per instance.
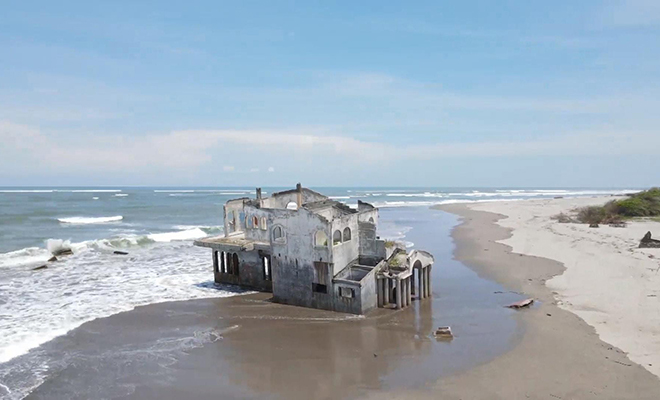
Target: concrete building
point(312, 251)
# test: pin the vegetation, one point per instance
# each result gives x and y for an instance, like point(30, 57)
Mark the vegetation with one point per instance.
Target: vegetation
point(389, 244)
point(642, 204)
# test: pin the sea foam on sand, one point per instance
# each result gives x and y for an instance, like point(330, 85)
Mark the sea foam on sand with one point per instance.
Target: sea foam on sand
point(609, 282)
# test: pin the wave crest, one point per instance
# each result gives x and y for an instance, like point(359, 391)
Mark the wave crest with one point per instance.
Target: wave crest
point(90, 220)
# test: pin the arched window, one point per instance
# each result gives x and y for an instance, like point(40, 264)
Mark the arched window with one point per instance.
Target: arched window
point(278, 233)
point(263, 224)
point(255, 222)
point(371, 219)
point(320, 239)
point(347, 234)
point(336, 238)
point(292, 205)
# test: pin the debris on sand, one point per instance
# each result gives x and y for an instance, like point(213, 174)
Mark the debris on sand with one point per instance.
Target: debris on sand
point(40, 267)
point(121, 253)
point(444, 332)
point(521, 304)
point(52, 259)
point(647, 242)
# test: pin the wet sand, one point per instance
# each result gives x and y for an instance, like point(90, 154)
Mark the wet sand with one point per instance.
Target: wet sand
point(560, 356)
point(248, 347)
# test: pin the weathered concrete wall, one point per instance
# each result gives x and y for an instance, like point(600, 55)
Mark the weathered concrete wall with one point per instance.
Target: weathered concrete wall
point(369, 292)
point(281, 199)
point(258, 233)
point(347, 251)
point(294, 257)
point(347, 305)
point(234, 207)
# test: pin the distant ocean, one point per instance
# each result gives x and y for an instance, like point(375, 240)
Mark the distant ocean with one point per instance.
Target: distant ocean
point(156, 227)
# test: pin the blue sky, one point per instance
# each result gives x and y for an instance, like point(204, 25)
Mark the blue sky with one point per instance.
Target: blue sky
point(506, 93)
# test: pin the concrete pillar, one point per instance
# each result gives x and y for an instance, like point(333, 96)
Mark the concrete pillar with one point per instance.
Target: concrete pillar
point(381, 292)
point(398, 294)
point(430, 286)
point(386, 289)
point(420, 287)
point(428, 282)
point(409, 282)
point(404, 295)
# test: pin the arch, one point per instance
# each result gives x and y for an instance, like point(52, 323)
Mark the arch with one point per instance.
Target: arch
point(336, 237)
point(292, 205)
point(320, 239)
point(417, 264)
point(371, 219)
point(264, 226)
point(255, 222)
point(278, 233)
point(347, 234)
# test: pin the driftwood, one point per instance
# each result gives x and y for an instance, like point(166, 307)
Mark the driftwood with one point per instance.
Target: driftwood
point(521, 304)
point(121, 253)
point(647, 242)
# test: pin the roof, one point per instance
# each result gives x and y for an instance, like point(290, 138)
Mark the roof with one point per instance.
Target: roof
point(316, 206)
point(232, 243)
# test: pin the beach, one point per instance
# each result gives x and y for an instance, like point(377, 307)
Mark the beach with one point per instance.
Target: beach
point(594, 330)
point(488, 255)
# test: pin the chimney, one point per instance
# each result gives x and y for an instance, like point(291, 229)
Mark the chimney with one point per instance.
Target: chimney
point(299, 189)
point(258, 193)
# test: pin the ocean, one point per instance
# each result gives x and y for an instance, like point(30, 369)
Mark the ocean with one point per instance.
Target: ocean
point(156, 227)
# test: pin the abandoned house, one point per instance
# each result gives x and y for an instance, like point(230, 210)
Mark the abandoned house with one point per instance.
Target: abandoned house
point(312, 251)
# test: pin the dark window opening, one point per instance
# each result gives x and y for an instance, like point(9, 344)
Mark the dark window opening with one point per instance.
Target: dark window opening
point(346, 292)
point(268, 273)
point(215, 261)
point(234, 264)
point(319, 288)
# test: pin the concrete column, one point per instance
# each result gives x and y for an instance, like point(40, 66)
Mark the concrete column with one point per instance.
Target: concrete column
point(420, 280)
point(404, 289)
point(430, 286)
point(381, 294)
point(398, 294)
point(410, 284)
point(426, 282)
point(386, 289)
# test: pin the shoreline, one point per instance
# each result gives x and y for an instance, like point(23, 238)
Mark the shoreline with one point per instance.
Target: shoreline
point(560, 355)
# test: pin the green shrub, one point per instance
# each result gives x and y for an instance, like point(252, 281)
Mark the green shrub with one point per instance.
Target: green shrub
point(632, 207)
point(592, 214)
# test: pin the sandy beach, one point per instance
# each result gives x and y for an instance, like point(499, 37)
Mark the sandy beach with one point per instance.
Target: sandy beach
point(594, 333)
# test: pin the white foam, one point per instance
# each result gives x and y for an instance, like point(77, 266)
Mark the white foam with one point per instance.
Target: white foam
point(190, 234)
point(27, 191)
point(27, 256)
point(95, 198)
point(38, 306)
point(90, 220)
point(121, 195)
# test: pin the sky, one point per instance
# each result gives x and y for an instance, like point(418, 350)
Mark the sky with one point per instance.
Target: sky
point(342, 93)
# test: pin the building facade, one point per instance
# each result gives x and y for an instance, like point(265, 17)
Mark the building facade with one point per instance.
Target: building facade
point(312, 251)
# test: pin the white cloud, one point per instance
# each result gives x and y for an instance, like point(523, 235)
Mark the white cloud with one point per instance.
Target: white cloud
point(28, 149)
point(253, 170)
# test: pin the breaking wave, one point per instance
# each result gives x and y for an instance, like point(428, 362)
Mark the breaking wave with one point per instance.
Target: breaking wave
point(90, 220)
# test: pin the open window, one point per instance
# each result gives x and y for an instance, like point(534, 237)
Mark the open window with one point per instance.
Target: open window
point(320, 279)
point(347, 234)
point(255, 222)
point(320, 239)
point(347, 293)
point(278, 234)
point(292, 205)
point(336, 238)
point(264, 225)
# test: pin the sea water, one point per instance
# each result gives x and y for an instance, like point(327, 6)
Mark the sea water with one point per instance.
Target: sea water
point(156, 227)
